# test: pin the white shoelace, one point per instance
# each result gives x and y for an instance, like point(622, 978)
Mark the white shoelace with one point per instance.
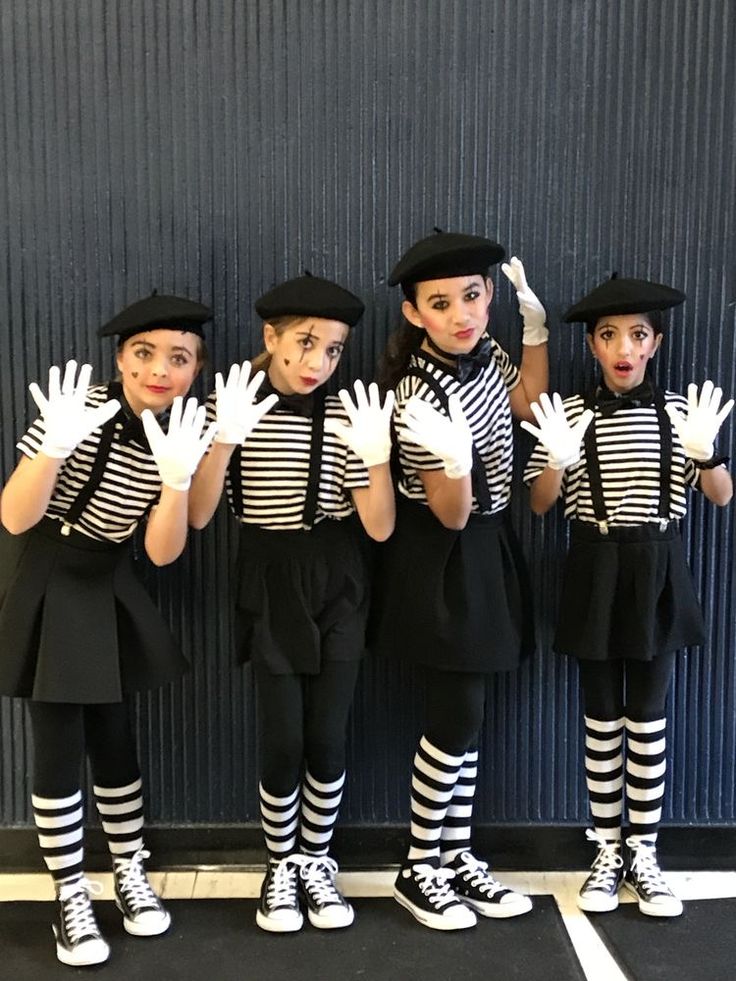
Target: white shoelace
point(476, 874)
point(606, 863)
point(435, 884)
point(282, 887)
point(318, 875)
point(79, 917)
point(133, 883)
point(644, 867)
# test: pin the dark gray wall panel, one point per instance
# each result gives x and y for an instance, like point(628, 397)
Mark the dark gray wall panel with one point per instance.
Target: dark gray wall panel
point(214, 147)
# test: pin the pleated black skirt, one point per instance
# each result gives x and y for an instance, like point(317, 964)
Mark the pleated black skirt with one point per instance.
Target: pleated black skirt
point(627, 594)
point(452, 600)
point(76, 624)
point(302, 596)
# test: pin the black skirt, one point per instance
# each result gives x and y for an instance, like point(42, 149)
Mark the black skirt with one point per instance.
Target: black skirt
point(302, 596)
point(76, 624)
point(627, 594)
point(452, 600)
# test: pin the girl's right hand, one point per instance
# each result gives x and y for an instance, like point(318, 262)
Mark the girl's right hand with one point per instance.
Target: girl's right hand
point(369, 432)
point(67, 419)
point(450, 439)
point(561, 440)
point(237, 413)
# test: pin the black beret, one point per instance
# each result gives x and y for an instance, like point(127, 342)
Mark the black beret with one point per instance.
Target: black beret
point(155, 311)
point(444, 255)
point(310, 296)
point(618, 296)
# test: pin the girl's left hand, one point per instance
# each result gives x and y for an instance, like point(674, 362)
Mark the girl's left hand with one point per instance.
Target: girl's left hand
point(369, 434)
point(532, 312)
point(698, 430)
point(178, 451)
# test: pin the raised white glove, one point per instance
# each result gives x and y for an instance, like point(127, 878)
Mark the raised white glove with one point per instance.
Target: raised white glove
point(67, 420)
point(369, 432)
point(561, 440)
point(237, 413)
point(448, 438)
point(178, 451)
point(532, 312)
point(697, 431)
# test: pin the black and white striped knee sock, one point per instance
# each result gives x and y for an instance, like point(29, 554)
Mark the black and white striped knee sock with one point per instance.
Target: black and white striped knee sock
point(280, 820)
point(604, 774)
point(60, 824)
point(645, 776)
point(433, 781)
point(121, 814)
point(455, 835)
point(320, 804)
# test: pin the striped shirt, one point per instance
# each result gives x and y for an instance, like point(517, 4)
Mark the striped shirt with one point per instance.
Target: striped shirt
point(629, 453)
point(129, 487)
point(485, 401)
point(274, 470)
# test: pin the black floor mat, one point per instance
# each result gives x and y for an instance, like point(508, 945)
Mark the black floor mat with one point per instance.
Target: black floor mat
point(700, 945)
point(217, 940)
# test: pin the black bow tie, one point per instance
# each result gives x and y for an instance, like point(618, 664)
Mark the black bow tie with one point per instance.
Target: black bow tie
point(607, 402)
point(299, 405)
point(465, 367)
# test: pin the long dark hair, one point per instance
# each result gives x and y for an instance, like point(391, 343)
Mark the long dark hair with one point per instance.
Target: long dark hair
point(394, 361)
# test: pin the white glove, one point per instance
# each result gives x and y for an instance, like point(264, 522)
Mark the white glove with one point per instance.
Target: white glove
point(448, 438)
point(178, 451)
point(561, 440)
point(67, 420)
point(697, 431)
point(369, 432)
point(532, 312)
point(237, 413)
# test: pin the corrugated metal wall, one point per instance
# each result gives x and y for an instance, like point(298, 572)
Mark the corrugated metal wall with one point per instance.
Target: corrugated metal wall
point(212, 147)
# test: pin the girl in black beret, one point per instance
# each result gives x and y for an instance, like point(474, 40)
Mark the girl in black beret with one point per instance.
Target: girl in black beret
point(622, 458)
point(78, 632)
point(454, 595)
point(306, 474)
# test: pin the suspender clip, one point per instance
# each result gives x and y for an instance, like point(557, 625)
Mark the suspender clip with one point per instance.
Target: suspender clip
point(663, 524)
point(66, 528)
point(603, 527)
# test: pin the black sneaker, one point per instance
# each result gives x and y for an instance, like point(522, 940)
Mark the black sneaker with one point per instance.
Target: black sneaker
point(279, 910)
point(327, 908)
point(144, 915)
point(644, 879)
point(79, 942)
point(476, 887)
point(599, 892)
point(425, 891)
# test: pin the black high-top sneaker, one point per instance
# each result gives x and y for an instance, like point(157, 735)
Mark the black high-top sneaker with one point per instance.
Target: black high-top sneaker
point(599, 892)
point(278, 911)
point(477, 888)
point(644, 879)
point(426, 892)
point(327, 908)
point(79, 942)
point(143, 912)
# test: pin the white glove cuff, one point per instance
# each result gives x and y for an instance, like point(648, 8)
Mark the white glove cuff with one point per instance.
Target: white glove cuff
point(59, 452)
point(231, 437)
point(179, 485)
point(457, 469)
point(534, 335)
point(376, 457)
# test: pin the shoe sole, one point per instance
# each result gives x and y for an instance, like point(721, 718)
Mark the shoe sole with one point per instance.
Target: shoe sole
point(602, 905)
point(652, 909)
point(497, 911)
point(323, 924)
point(278, 926)
point(435, 921)
point(67, 957)
point(138, 930)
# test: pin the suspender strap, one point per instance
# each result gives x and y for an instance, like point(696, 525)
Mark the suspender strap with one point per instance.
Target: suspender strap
point(478, 477)
point(315, 459)
point(236, 480)
point(114, 390)
point(594, 467)
point(665, 448)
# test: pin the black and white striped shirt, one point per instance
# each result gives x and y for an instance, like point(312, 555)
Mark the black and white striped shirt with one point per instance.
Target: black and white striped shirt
point(129, 487)
point(629, 453)
point(485, 401)
point(274, 470)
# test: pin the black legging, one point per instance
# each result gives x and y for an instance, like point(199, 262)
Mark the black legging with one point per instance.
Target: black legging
point(634, 689)
point(303, 718)
point(455, 702)
point(62, 732)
